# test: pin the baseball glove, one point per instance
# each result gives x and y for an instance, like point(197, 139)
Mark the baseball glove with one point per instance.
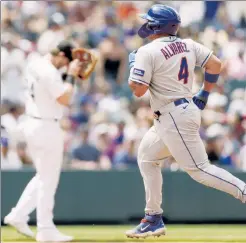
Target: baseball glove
point(88, 62)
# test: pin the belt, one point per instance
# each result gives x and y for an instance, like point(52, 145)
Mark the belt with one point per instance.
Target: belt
point(178, 102)
point(45, 119)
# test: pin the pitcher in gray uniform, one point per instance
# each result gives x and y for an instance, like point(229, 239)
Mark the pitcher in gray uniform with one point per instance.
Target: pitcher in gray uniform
point(165, 68)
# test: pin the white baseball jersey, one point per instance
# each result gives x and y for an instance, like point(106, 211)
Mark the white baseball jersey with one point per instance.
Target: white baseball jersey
point(45, 85)
point(167, 66)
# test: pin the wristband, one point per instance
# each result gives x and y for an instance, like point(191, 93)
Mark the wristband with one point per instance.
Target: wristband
point(204, 93)
point(70, 79)
point(211, 78)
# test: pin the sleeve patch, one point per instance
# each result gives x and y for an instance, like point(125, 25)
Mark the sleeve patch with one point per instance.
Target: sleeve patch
point(138, 72)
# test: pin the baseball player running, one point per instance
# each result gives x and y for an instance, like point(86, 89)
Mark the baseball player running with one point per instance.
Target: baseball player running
point(165, 67)
point(47, 97)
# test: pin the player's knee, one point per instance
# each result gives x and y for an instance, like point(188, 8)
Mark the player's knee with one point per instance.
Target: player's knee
point(196, 175)
point(145, 154)
point(149, 169)
point(198, 172)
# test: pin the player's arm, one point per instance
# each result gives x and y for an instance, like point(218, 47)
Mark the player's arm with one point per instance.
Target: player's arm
point(68, 87)
point(66, 97)
point(138, 89)
point(212, 71)
point(140, 74)
point(212, 66)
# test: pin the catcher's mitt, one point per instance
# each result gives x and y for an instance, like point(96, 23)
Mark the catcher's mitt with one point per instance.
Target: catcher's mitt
point(88, 60)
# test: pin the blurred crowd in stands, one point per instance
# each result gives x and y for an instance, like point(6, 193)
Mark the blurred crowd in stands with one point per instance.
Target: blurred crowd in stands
point(105, 124)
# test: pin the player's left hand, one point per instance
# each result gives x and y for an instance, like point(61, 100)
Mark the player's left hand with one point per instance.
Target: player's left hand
point(201, 99)
point(132, 58)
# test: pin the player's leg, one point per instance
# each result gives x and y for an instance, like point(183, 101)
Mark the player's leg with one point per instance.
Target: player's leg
point(19, 215)
point(48, 173)
point(180, 132)
point(151, 153)
point(48, 164)
point(27, 202)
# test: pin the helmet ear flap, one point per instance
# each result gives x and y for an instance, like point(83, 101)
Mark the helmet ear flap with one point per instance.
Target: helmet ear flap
point(145, 31)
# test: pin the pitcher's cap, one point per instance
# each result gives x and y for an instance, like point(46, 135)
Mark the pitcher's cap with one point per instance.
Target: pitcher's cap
point(66, 47)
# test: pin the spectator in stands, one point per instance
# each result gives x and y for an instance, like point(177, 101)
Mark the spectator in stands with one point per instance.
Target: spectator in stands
point(125, 157)
point(235, 67)
point(82, 115)
point(4, 147)
point(53, 35)
point(120, 137)
point(86, 156)
point(14, 151)
point(12, 66)
point(112, 144)
point(112, 65)
point(79, 11)
point(104, 141)
point(212, 150)
point(21, 149)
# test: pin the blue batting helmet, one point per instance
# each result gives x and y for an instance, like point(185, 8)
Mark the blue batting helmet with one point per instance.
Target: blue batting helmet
point(160, 19)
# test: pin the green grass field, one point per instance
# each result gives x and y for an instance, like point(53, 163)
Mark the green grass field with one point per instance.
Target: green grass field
point(175, 233)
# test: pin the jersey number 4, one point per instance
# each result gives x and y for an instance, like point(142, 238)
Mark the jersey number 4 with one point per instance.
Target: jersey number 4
point(183, 71)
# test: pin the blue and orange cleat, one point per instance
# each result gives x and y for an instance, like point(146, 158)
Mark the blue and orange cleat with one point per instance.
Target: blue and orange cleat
point(151, 225)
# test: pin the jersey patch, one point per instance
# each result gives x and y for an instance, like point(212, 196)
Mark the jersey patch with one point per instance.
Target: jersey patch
point(138, 72)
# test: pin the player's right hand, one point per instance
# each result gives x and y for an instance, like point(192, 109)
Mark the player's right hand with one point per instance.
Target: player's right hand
point(132, 58)
point(74, 68)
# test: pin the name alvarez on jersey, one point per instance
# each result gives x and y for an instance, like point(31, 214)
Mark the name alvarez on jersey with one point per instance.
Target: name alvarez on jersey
point(174, 49)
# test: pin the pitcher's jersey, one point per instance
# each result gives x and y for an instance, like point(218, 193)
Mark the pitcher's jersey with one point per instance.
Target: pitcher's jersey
point(45, 85)
point(167, 66)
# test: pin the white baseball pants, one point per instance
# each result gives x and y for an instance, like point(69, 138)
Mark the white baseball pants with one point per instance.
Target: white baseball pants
point(45, 143)
point(177, 133)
